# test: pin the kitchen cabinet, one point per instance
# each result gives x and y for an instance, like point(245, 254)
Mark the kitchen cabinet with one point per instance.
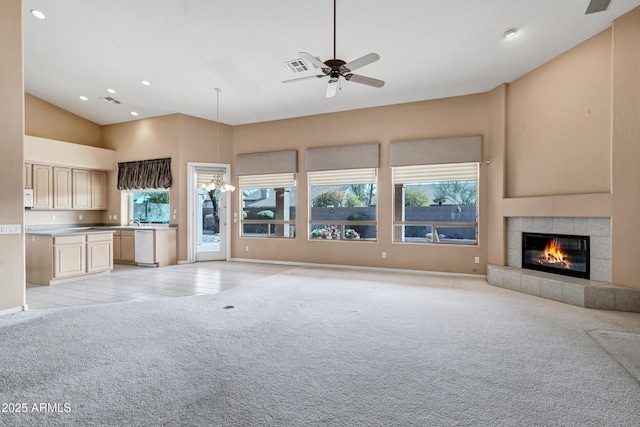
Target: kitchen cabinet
point(68, 256)
point(55, 258)
point(99, 252)
point(98, 189)
point(42, 186)
point(28, 177)
point(124, 247)
point(89, 189)
point(61, 188)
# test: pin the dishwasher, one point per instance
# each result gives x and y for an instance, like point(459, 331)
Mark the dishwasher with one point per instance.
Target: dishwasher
point(144, 247)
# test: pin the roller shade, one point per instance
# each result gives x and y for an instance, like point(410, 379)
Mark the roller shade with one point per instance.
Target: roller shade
point(275, 180)
point(273, 162)
point(355, 156)
point(204, 177)
point(460, 149)
point(435, 173)
point(342, 177)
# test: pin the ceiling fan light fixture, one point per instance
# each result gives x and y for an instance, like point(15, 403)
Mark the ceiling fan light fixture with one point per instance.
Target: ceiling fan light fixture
point(510, 33)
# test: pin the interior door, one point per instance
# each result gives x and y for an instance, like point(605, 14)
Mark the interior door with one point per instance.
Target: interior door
point(209, 213)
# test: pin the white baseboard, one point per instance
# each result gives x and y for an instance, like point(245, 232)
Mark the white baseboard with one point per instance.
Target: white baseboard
point(14, 310)
point(357, 267)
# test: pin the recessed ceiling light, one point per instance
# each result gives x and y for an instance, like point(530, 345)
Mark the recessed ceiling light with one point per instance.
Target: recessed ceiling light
point(133, 113)
point(144, 82)
point(83, 98)
point(111, 91)
point(510, 33)
point(37, 14)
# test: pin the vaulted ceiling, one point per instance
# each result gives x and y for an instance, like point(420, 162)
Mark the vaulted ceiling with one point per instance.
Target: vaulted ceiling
point(186, 48)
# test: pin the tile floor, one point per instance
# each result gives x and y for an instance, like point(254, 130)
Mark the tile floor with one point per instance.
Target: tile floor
point(130, 284)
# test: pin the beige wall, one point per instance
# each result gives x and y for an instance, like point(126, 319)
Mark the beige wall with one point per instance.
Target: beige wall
point(626, 151)
point(559, 124)
point(446, 117)
point(12, 274)
point(48, 121)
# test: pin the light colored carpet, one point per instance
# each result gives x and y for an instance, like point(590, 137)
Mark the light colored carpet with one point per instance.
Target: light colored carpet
point(317, 347)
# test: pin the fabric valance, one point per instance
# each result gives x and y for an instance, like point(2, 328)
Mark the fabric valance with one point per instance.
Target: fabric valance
point(272, 162)
point(145, 174)
point(459, 149)
point(356, 156)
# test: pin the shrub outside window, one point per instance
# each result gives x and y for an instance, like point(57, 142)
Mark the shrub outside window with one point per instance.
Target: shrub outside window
point(343, 205)
point(436, 203)
point(268, 211)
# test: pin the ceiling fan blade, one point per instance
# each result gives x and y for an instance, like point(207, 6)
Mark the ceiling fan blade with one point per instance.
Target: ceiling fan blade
point(332, 87)
point(597, 6)
point(304, 78)
point(364, 80)
point(315, 61)
point(360, 62)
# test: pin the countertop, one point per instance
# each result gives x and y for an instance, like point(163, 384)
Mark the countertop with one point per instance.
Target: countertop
point(100, 229)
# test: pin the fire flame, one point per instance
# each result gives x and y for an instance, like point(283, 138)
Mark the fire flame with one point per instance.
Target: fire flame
point(553, 254)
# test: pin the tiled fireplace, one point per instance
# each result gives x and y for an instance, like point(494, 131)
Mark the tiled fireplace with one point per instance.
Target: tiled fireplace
point(588, 241)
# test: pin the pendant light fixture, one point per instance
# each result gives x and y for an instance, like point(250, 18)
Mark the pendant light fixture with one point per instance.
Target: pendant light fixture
point(218, 183)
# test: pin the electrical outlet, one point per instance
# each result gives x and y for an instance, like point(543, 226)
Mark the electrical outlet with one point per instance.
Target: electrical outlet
point(384, 255)
point(80, 217)
point(477, 260)
point(110, 216)
point(246, 248)
point(115, 217)
point(53, 217)
point(10, 229)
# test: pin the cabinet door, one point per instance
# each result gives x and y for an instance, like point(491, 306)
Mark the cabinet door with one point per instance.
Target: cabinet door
point(42, 187)
point(61, 188)
point(28, 176)
point(98, 190)
point(81, 189)
point(127, 245)
point(68, 256)
point(99, 252)
point(116, 247)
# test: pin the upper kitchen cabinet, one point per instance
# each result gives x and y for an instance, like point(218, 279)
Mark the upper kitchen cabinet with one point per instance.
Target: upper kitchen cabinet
point(61, 188)
point(89, 189)
point(65, 175)
point(42, 186)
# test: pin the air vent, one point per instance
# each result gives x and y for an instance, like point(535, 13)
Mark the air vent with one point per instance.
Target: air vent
point(297, 66)
point(111, 100)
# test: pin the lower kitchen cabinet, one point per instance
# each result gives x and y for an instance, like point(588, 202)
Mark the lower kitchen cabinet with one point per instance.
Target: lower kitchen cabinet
point(51, 259)
point(124, 247)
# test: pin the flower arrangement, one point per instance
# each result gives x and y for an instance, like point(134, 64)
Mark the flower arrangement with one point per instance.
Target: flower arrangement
point(350, 233)
point(331, 232)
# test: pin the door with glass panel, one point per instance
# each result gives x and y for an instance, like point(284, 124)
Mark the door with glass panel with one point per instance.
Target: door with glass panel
point(209, 216)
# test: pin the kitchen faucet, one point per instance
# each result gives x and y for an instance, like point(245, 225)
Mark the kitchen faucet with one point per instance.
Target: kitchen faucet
point(136, 221)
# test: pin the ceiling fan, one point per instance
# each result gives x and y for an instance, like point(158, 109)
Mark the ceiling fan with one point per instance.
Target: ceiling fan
point(336, 68)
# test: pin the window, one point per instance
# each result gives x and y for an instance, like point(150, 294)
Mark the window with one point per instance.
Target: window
point(149, 206)
point(343, 204)
point(268, 205)
point(436, 203)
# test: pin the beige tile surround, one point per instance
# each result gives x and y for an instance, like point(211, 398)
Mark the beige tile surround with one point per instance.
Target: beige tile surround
point(595, 293)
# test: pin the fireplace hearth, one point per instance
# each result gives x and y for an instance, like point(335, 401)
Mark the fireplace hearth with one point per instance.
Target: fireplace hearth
point(563, 254)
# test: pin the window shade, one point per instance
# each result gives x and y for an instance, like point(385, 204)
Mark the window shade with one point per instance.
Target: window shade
point(273, 162)
point(145, 174)
point(460, 149)
point(342, 177)
point(276, 180)
point(435, 173)
point(205, 176)
point(355, 156)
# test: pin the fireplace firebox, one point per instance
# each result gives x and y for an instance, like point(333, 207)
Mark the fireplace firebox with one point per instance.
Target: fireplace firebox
point(556, 253)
